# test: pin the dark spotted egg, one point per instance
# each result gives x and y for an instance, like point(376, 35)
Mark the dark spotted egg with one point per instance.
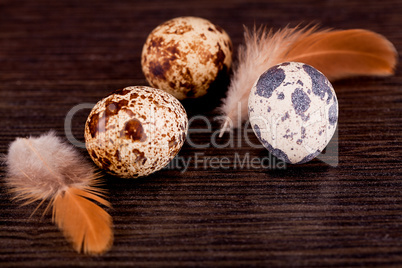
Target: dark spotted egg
point(293, 111)
point(184, 55)
point(135, 131)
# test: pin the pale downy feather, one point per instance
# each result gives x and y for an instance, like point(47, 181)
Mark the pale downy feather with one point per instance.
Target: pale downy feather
point(338, 54)
point(46, 168)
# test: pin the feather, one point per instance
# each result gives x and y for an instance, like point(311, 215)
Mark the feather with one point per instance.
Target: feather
point(338, 54)
point(347, 53)
point(46, 168)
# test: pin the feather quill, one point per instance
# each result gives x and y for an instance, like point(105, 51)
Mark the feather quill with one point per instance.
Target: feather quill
point(46, 168)
point(336, 53)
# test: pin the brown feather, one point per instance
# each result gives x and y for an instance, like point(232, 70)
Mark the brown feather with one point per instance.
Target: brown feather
point(83, 222)
point(342, 54)
point(45, 168)
point(337, 54)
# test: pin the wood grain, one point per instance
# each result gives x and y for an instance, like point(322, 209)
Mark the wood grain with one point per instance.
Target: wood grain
point(57, 54)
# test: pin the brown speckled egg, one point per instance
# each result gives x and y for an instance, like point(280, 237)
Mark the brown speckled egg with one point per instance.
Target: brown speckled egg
point(135, 131)
point(183, 56)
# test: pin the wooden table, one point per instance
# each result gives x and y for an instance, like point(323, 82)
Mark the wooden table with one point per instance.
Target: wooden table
point(58, 54)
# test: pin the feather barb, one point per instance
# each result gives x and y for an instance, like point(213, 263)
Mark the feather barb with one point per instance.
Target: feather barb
point(83, 222)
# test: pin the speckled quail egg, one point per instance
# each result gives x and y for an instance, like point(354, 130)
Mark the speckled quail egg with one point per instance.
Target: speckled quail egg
point(293, 111)
point(184, 55)
point(135, 131)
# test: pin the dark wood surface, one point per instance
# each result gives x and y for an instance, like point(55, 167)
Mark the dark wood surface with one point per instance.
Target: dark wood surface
point(57, 54)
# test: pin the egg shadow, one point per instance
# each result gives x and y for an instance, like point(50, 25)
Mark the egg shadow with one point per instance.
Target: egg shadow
point(155, 182)
point(281, 169)
point(211, 100)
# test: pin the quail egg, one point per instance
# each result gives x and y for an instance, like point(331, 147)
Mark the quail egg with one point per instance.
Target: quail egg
point(135, 131)
point(184, 55)
point(293, 110)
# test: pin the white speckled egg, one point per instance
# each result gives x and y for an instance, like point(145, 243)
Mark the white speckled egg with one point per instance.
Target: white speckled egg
point(293, 111)
point(184, 55)
point(135, 131)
